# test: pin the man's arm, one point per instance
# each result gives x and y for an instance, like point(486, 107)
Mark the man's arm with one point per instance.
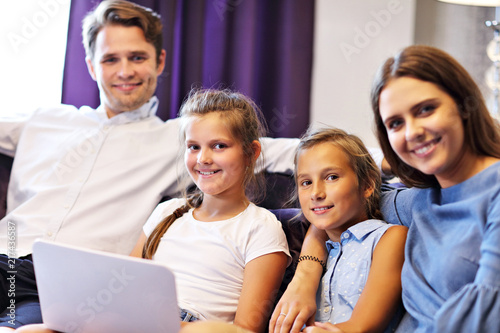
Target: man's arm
point(11, 128)
point(279, 156)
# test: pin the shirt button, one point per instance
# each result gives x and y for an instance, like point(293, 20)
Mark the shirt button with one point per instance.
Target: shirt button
point(327, 309)
point(346, 236)
point(49, 234)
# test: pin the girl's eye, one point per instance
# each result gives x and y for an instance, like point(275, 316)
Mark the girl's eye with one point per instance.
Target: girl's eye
point(332, 177)
point(193, 147)
point(305, 183)
point(220, 146)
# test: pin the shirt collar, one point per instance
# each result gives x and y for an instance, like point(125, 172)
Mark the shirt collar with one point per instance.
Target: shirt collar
point(148, 109)
point(359, 231)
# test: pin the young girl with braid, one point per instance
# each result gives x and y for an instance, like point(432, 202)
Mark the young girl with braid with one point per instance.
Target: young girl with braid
point(227, 254)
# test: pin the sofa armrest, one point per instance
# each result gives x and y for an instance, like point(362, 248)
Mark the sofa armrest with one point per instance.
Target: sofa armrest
point(5, 167)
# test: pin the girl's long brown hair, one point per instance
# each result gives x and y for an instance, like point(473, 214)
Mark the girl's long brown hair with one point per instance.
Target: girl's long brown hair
point(246, 124)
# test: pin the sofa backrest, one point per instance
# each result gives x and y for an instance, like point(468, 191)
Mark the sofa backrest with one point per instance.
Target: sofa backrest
point(294, 226)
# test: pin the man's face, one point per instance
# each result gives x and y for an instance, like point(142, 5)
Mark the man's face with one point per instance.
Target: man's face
point(125, 68)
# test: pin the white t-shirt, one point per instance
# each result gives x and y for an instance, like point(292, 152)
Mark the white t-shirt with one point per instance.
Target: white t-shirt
point(208, 258)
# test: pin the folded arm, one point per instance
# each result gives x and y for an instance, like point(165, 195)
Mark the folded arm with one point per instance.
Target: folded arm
point(298, 303)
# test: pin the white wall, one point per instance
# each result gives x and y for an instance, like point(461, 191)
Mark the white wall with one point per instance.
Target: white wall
point(33, 45)
point(352, 39)
point(460, 31)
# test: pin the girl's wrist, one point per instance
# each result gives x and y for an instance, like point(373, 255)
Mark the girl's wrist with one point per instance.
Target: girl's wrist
point(307, 274)
point(303, 258)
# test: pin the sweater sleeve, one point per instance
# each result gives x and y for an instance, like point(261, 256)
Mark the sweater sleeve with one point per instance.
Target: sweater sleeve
point(396, 205)
point(476, 306)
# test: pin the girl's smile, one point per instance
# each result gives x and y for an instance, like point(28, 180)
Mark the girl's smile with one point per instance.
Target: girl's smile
point(207, 173)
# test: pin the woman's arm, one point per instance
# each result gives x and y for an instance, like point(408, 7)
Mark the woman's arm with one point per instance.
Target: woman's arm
point(382, 293)
point(299, 300)
point(261, 281)
point(137, 251)
point(475, 307)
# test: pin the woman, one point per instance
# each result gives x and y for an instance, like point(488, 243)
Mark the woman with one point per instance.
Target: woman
point(436, 133)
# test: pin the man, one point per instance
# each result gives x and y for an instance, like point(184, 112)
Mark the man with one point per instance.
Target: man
point(92, 177)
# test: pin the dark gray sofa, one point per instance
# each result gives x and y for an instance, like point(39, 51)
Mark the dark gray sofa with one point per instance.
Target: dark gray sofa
point(278, 191)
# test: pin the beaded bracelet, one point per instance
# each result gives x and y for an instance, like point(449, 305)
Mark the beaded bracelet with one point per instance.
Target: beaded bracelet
point(306, 257)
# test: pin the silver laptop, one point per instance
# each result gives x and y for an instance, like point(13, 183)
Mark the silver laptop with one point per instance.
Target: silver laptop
point(91, 291)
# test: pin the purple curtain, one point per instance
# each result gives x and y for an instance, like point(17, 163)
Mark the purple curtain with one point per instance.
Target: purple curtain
point(259, 47)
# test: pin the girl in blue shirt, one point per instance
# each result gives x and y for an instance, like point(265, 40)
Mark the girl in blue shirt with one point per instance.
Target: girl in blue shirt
point(439, 138)
point(338, 187)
